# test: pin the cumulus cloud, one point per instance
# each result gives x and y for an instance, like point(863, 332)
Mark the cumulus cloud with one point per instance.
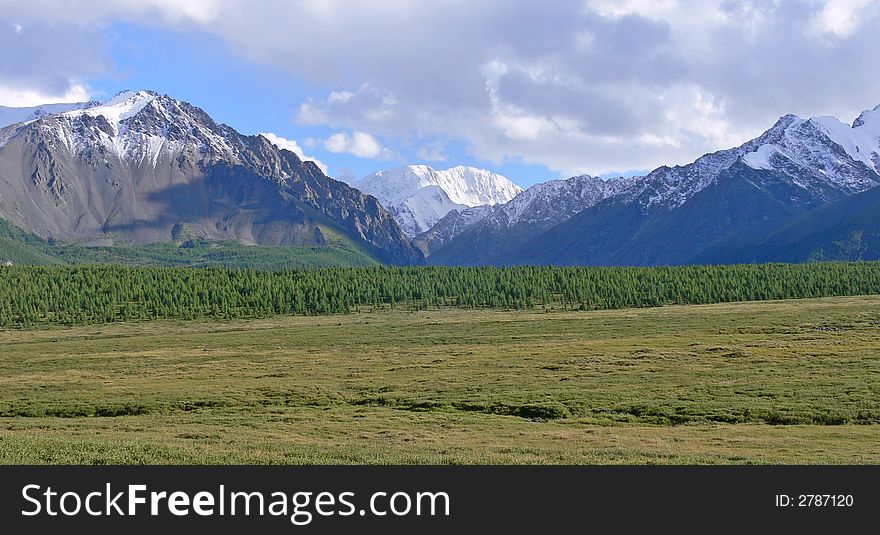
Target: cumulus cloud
point(47, 63)
point(841, 17)
point(588, 86)
point(18, 97)
point(293, 147)
point(359, 144)
point(90, 12)
point(592, 86)
point(49, 48)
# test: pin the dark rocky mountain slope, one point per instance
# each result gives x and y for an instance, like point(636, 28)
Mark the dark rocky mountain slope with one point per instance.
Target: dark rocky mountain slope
point(146, 168)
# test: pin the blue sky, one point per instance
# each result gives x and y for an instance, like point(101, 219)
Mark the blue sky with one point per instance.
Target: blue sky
point(603, 87)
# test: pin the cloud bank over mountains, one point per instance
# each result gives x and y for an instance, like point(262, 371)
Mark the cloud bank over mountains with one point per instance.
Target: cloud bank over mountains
point(594, 86)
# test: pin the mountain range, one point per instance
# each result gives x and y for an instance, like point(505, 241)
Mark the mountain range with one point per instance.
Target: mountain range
point(729, 206)
point(147, 170)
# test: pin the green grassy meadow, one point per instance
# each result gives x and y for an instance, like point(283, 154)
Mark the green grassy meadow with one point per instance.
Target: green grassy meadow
point(795, 381)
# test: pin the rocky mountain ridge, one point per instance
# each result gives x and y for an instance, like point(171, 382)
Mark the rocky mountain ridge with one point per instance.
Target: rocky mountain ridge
point(147, 168)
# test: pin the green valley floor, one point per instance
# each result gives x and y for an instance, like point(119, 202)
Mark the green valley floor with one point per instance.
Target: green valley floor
point(757, 382)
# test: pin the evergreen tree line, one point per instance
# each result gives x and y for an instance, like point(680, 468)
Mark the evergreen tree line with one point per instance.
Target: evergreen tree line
point(73, 295)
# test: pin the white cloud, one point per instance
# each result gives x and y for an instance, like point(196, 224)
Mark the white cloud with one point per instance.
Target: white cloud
point(340, 96)
point(293, 147)
point(587, 87)
point(23, 98)
point(576, 86)
point(359, 144)
point(91, 11)
point(620, 8)
point(337, 143)
point(841, 17)
point(202, 11)
point(50, 47)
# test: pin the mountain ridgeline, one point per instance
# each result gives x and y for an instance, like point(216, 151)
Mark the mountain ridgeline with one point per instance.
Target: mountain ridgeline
point(142, 177)
point(804, 190)
point(145, 168)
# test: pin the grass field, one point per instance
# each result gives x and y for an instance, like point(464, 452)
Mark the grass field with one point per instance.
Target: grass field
point(760, 382)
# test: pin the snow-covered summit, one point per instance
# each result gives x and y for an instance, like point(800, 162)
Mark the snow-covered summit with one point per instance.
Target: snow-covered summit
point(138, 127)
point(419, 196)
point(822, 152)
point(819, 154)
point(122, 106)
point(464, 185)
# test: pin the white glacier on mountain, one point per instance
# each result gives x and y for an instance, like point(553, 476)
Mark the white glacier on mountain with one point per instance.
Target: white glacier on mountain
point(861, 140)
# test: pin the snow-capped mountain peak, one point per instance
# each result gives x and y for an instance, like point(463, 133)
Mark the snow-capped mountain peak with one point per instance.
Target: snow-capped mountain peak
point(419, 195)
point(475, 187)
point(144, 168)
point(819, 154)
point(819, 160)
point(122, 106)
point(822, 152)
point(138, 127)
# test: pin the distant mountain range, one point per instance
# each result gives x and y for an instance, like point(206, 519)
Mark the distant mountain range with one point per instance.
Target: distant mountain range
point(800, 191)
point(419, 196)
point(144, 169)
